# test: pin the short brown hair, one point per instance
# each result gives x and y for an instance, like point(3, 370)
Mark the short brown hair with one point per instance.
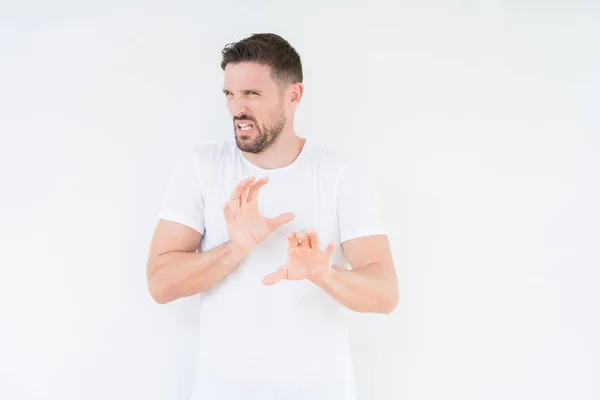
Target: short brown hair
point(266, 49)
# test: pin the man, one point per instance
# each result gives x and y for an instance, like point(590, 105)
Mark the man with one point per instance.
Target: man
point(281, 238)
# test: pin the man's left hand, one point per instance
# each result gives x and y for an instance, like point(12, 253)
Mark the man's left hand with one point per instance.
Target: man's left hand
point(305, 259)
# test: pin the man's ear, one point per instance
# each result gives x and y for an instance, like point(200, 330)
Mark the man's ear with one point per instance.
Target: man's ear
point(297, 90)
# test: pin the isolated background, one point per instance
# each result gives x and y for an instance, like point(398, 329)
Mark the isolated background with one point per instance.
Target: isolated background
point(480, 117)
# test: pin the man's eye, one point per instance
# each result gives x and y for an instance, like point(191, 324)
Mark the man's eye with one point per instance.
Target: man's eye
point(229, 94)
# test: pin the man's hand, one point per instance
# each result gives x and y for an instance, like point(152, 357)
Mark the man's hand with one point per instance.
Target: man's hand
point(305, 260)
point(246, 226)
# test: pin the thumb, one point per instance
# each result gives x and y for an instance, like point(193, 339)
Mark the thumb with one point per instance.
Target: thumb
point(279, 220)
point(274, 277)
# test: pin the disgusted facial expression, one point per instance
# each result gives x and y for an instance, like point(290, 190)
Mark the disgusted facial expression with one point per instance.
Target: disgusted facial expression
point(256, 103)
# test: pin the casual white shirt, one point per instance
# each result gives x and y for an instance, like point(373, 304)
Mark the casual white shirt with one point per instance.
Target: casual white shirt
point(290, 340)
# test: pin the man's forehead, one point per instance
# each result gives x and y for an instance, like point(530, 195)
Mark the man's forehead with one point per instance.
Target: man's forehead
point(242, 76)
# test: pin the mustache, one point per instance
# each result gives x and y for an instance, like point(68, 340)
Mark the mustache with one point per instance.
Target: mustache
point(243, 117)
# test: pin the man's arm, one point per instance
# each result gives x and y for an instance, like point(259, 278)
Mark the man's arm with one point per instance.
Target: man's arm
point(371, 285)
point(174, 269)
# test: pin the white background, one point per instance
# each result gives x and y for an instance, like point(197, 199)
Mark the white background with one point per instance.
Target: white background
point(481, 118)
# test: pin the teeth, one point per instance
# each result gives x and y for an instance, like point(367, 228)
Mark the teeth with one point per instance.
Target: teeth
point(245, 127)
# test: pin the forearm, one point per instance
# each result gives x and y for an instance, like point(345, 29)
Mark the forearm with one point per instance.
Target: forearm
point(180, 274)
point(364, 289)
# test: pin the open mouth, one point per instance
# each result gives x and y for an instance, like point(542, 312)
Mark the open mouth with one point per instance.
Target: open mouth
point(244, 126)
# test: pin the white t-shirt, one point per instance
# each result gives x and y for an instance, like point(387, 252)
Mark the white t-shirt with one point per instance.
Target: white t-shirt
point(286, 341)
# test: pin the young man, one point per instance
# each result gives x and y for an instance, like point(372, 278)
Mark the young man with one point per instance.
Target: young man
point(281, 238)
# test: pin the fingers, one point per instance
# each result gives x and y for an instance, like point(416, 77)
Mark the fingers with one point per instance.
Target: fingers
point(309, 238)
point(306, 237)
point(244, 192)
point(314, 239)
point(329, 250)
point(292, 240)
point(302, 239)
point(253, 192)
point(235, 194)
point(276, 222)
point(226, 209)
point(275, 277)
point(244, 196)
point(239, 193)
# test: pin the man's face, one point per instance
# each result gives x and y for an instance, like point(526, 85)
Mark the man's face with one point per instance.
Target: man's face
point(256, 103)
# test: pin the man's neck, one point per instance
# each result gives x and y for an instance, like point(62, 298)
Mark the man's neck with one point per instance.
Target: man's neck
point(280, 154)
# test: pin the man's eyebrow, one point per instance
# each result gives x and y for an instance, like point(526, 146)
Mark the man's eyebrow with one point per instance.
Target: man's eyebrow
point(245, 90)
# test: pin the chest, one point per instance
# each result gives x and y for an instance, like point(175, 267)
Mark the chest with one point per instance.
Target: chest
point(241, 294)
point(301, 193)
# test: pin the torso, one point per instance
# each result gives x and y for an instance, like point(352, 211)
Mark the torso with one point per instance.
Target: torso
point(281, 335)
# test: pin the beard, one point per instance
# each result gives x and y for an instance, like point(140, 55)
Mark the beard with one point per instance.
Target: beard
point(264, 136)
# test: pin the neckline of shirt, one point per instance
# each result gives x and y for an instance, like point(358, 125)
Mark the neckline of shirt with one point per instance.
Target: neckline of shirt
point(271, 171)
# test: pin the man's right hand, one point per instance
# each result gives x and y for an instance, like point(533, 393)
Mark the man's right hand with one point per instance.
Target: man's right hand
point(246, 226)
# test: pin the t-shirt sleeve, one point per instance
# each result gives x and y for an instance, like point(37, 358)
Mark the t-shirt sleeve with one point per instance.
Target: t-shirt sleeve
point(182, 200)
point(358, 209)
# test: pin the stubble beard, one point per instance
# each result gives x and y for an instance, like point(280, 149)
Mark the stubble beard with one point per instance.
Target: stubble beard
point(265, 136)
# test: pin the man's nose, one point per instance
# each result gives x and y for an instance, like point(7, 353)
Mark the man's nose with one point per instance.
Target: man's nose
point(237, 107)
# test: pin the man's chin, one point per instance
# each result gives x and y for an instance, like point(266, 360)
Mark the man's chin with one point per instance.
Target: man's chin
point(247, 144)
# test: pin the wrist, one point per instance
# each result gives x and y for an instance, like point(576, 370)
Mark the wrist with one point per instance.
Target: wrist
point(326, 279)
point(240, 252)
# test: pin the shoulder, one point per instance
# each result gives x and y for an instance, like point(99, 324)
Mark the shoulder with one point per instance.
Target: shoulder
point(213, 148)
point(334, 163)
point(330, 160)
point(198, 163)
point(205, 155)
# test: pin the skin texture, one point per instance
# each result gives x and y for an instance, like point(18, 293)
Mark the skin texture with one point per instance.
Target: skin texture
point(176, 270)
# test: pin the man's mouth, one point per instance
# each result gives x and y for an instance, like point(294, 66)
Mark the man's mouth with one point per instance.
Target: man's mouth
point(244, 126)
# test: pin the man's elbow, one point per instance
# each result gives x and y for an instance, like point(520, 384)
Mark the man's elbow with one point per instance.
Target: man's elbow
point(390, 306)
point(391, 301)
point(160, 291)
point(157, 294)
